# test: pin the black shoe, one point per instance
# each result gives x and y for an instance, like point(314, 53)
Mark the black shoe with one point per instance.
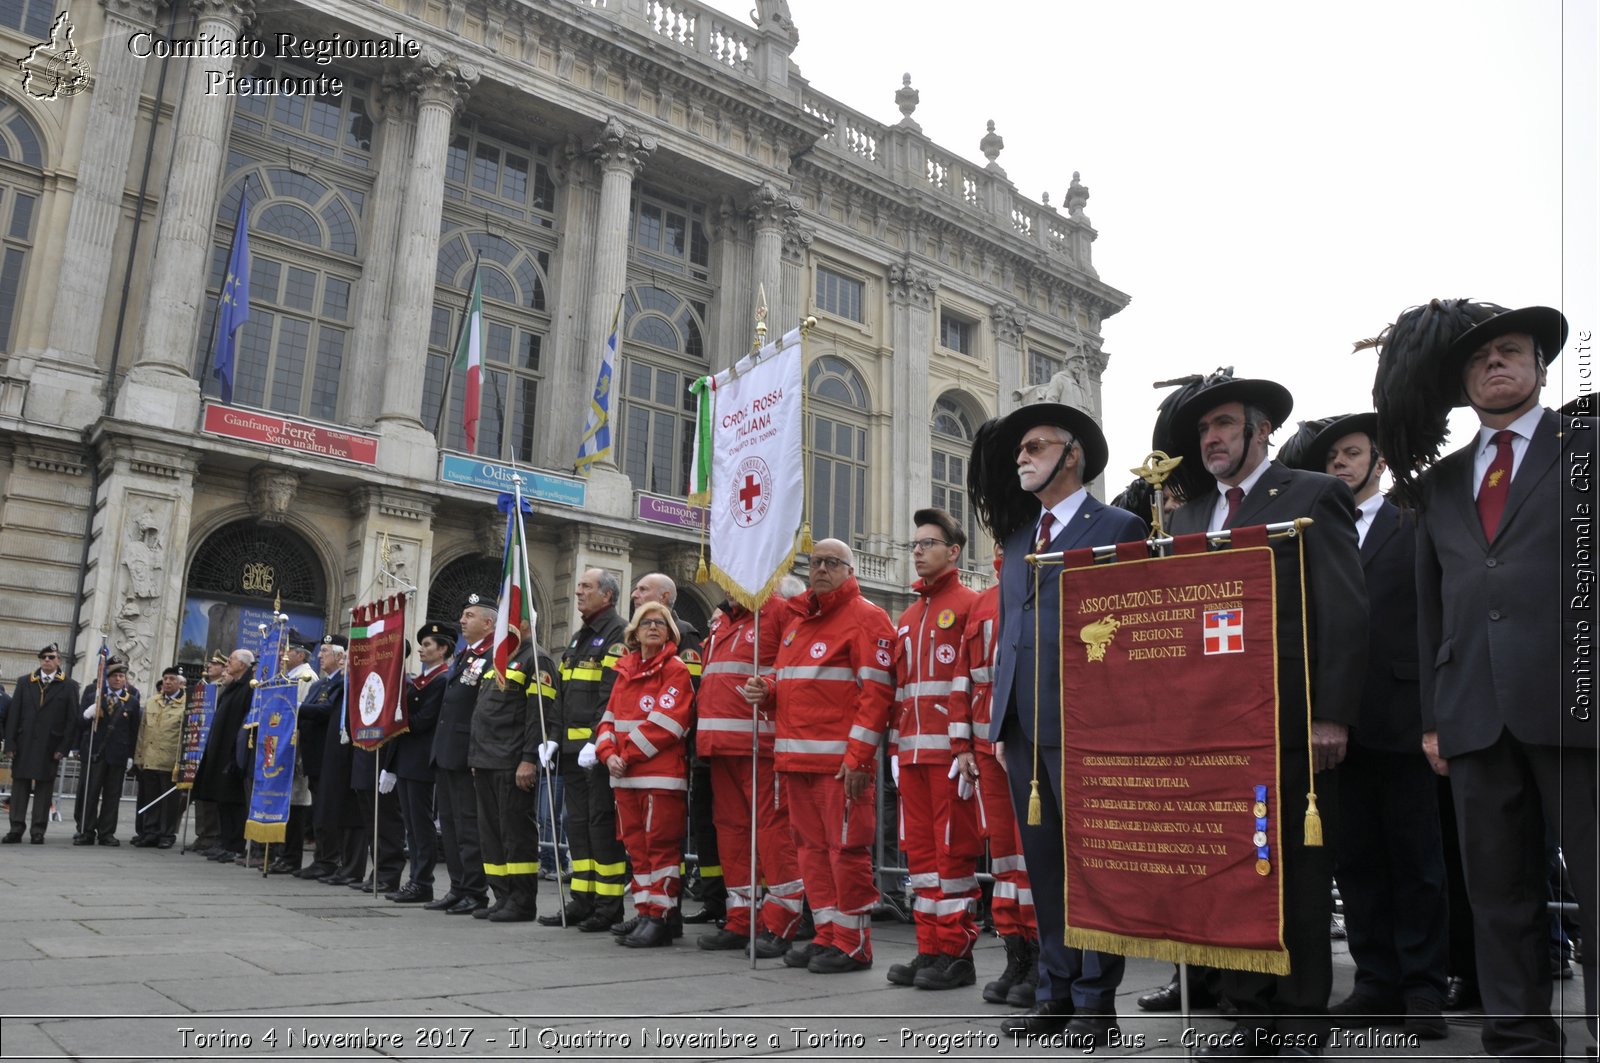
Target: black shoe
point(281, 866)
point(467, 906)
point(36, 838)
point(11, 838)
point(770, 946)
point(1170, 998)
point(712, 912)
point(111, 842)
point(166, 843)
point(337, 880)
point(1367, 1006)
point(651, 933)
point(83, 839)
point(575, 913)
point(513, 913)
point(906, 973)
point(596, 922)
point(1091, 1029)
point(1424, 1021)
point(1560, 968)
point(412, 893)
point(1045, 1017)
point(227, 856)
point(626, 927)
point(947, 972)
point(722, 940)
point(1461, 994)
point(311, 871)
point(801, 955)
point(449, 900)
point(139, 841)
point(834, 960)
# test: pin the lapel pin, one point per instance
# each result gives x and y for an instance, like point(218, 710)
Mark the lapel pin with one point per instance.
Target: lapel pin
point(1272, 492)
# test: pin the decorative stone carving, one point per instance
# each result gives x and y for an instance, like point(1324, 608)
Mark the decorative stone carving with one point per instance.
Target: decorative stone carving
point(603, 542)
point(772, 16)
point(1009, 322)
point(913, 284)
point(992, 145)
point(680, 562)
point(770, 207)
point(491, 533)
point(141, 12)
point(797, 239)
point(441, 80)
point(272, 492)
point(620, 147)
point(235, 12)
point(1077, 198)
point(906, 98)
point(143, 553)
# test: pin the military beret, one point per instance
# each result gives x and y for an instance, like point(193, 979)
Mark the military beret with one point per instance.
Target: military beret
point(336, 640)
point(172, 670)
point(49, 650)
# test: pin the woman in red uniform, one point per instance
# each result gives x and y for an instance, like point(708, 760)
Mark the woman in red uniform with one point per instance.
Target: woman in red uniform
point(640, 741)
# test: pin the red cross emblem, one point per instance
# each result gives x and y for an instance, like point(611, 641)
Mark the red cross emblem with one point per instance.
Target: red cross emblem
point(754, 495)
point(1223, 631)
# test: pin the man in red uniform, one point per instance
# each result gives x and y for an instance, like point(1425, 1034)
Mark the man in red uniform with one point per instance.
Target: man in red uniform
point(833, 692)
point(979, 761)
point(723, 741)
point(938, 828)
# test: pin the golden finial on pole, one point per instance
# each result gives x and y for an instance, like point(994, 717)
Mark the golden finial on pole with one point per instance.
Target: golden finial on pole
point(1155, 470)
point(760, 340)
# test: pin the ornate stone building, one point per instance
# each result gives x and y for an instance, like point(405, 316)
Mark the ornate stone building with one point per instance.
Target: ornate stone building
point(654, 153)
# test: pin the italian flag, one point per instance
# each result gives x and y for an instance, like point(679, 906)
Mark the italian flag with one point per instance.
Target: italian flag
point(469, 357)
point(368, 631)
point(515, 606)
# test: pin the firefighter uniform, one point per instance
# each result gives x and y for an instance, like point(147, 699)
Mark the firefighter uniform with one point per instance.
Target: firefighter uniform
point(938, 830)
point(599, 862)
point(723, 742)
point(834, 691)
point(1012, 904)
point(506, 732)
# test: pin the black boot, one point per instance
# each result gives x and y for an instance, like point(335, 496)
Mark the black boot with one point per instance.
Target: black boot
point(1024, 993)
point(651, 933)
point(1016, 966)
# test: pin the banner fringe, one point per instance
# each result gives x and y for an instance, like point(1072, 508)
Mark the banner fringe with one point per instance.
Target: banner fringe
point(265, 832)
point(754, 601)
point(1261, 961)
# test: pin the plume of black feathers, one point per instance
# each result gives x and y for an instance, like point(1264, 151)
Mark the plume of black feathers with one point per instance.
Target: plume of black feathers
point(1137, 498)
point(1294, 451)
point(1411, 396)
point(1190, 479)
point(992, 485)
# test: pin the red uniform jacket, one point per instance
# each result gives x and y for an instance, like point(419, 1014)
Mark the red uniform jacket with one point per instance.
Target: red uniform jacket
point(925, 666)
point(644, 723)
point(972, 692)
point(730, 654)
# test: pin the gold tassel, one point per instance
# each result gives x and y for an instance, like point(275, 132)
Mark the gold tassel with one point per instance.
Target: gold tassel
point(805, 538)
point(700, 574)
point(1035, 813)
point(1313, 821)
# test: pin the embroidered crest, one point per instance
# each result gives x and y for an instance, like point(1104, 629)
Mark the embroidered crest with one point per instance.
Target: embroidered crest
point(947, 617)
point(946, 654)
point(668, 700)
point(818, 649)
point(883, 658)
point(647, 702)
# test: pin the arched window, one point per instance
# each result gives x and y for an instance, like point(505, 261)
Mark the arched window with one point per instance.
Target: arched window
point(239, 574)
point(952, 448)
point(838, 451)
point(21, 182)
point(32, 17)
point(292, 348)
point(515, 324)
point(473, 574)
point(664, 352)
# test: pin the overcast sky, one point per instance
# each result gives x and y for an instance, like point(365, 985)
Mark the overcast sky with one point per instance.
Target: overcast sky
point(1270, 181)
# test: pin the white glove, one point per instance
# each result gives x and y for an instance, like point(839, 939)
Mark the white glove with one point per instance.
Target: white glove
point(344, 737)
point(88, 714)
point(894, 769)
point(586, 757)
point(547, 756)
point(386, 781)
point(964, 787)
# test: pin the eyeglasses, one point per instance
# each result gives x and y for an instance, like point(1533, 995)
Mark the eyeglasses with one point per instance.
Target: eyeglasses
point(49, 657)
point(829, 562)
point(654, 621)
point(1035, 447)
point(926, 544)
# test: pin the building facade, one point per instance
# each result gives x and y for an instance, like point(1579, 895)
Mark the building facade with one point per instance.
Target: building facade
point(652, 155)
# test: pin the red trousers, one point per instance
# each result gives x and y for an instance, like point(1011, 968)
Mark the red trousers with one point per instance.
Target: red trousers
point(833, 837)
point(940, 835)
point(1012, 905)
point(652, 825)
point(776, 862)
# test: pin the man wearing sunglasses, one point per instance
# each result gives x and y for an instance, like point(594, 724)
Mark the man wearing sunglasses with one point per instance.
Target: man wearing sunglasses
point(40, 728)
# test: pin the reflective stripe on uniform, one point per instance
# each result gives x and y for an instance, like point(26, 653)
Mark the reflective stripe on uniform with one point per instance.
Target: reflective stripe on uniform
point(647, 747)
point(1001, 864)
point(610, 889)
point(965, 884)
point(873, 675)
point(983, 674)
point(736, 726)
point(960, 730)
point(649, 782)
point(583, 675)
point(808, 745)
point(861, 734)
point(928, 688)
point(913, 742)
point(812, 671)
point(579, 734)
point(727, 668)
point(666, 723)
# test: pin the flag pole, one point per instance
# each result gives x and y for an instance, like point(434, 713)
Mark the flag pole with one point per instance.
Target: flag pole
point(94, 725)
point(755, 670)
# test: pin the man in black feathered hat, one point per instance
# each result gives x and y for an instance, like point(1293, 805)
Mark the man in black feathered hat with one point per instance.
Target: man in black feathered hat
point(1388, 855)
point(1506, 606)
point(1224, 427)
point(1028, 478)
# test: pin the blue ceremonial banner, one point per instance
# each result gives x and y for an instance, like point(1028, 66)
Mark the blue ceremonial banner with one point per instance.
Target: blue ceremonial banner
point(233, 304)
point(596, 442)
point(278, 708)
point(196, 728)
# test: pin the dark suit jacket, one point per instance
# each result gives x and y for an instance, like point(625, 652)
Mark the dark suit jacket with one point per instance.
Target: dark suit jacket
point(452, 735)
point(1391, 700)
point(1497, 623)
point(40, 725)
point(1096, 524)
point(219, 777)
point(1337, 612)
point(117, 731)
point(410, 756)
point(322, 702)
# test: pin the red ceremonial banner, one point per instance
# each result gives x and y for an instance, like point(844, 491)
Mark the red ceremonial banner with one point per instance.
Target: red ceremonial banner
point(1169, 781)
point(375, 698)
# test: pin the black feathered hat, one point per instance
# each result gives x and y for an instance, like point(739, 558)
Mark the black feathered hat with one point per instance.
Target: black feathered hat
point(1300, 451)
point(996, 493)
point(1188, 479)
point(1335, 429)
point(1137, 498)
point(1182, 423)
point(1545, 324)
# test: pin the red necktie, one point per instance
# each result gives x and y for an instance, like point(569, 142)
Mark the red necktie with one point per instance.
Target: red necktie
point(1496, 484)
point(1047, 525)
point(1235, 496)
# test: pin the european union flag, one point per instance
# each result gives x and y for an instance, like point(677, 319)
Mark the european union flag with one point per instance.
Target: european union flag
point(233, 305)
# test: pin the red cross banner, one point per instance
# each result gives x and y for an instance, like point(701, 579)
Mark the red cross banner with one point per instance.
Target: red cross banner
point(375, 698)
point(1169, 779)
point(748, 469)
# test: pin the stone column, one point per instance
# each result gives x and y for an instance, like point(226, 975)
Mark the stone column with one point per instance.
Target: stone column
point(731, 323)
point(564, 349)
point(63, 388)
point(911, 291)
point(404, 447)
point(620, 154)
point(161, 388)
point(797, 239)
point(769, 210)
point(394, 109)
point(1010, 359)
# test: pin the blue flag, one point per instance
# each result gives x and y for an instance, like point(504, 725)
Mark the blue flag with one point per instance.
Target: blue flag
point(233, 305)
point(596, 442)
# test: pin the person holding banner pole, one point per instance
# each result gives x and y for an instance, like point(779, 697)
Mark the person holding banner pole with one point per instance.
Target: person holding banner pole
point(97, 697)
point(219, 778)
point(155, 757)
point(1029, 478)
point(115, 723)
point(453, 788)
point(1224, 425)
